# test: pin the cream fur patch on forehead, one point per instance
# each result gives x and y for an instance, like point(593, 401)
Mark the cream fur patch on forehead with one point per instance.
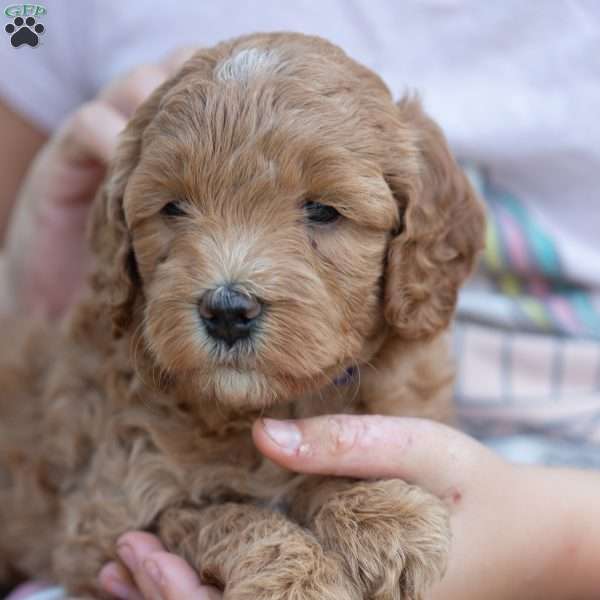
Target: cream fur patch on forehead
point(245, 63)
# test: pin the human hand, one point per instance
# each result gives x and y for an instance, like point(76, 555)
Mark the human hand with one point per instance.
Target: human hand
point(513, 534)
point(46, 258)
point(508, 522)
point(153, 573)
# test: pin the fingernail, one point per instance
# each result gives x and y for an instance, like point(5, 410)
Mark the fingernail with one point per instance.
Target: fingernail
point(285, 434)
point(127, 555)
point(118, 588)
point(112, 582)
point(153, 571)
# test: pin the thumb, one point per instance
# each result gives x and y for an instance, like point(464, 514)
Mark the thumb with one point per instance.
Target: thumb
point(422, 452)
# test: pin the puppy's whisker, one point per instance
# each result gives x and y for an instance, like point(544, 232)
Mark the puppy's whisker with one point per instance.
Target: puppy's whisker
point(371, 366)
point(220, 408)
point(261, 414)
point(330, 382)
point(321, 398)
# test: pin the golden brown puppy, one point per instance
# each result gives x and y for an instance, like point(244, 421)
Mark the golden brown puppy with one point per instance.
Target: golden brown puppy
point(275, 237)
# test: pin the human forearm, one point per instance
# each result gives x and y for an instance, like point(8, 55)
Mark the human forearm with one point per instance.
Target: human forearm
point(568, 502)
point(537, 538)
point(544, 542)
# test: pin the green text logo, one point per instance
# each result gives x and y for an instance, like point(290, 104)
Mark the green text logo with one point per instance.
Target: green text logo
point(25, 10)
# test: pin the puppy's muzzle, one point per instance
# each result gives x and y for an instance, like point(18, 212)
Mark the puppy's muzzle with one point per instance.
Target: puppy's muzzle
point(228, 315)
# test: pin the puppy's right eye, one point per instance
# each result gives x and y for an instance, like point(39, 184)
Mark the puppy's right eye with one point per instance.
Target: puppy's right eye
point(320, 214)
point(172, 209)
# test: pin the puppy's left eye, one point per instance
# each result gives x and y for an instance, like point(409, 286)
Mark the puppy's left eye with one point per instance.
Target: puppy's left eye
point(172, 209)
point(320, 213)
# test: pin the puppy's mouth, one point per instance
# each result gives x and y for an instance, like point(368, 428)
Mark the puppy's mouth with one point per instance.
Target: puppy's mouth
point(248, 366)
point(254, 389)
point(242, 355)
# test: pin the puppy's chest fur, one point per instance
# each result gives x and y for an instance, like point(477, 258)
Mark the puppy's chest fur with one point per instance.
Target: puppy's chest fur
point(101, 431)
point(141, 445)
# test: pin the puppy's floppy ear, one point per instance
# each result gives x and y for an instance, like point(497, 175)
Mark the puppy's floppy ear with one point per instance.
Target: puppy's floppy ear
point(442, 230)
point(115, 279)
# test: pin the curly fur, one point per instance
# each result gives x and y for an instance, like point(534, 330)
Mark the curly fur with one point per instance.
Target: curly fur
point(128, 416)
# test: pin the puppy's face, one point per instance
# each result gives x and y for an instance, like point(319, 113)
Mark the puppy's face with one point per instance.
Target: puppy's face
point(260, 215)
point(260, 246)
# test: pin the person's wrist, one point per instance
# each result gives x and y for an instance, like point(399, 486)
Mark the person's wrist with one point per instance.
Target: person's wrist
point(574, 566)
point(539, 543)
point(562, 548)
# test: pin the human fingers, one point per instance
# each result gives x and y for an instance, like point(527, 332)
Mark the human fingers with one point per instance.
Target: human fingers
point(127, 92)
point(133, 548)
point(174, 579)
point(156, 573)
point(420, 451)
point(174, 60)
point(90, 134)
point(115, 579)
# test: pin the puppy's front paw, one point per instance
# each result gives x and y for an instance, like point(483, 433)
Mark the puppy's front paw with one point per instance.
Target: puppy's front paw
point(281, 568)
point(325, 582)
point(252, 553)
point(392, 537)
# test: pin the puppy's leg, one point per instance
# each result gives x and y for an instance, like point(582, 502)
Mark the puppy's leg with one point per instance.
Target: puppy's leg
point(393, 538)
point(254, 554)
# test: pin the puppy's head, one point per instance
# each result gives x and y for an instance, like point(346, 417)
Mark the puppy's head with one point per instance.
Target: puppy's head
point(272, 216)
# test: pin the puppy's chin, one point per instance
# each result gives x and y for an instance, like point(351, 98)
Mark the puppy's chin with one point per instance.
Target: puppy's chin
point(245, 390)
point(238, 390)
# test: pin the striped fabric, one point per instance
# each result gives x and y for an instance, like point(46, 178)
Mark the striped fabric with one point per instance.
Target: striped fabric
point(524, 282)
point(527, 338)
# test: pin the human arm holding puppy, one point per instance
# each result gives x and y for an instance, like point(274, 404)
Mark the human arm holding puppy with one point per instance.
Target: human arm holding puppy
point(524, 532)
point(527, 532)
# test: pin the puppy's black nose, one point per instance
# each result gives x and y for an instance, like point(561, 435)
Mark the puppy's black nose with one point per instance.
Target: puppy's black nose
point(228, 315)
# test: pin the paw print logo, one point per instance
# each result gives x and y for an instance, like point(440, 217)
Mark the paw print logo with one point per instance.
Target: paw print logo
point(24, 32)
